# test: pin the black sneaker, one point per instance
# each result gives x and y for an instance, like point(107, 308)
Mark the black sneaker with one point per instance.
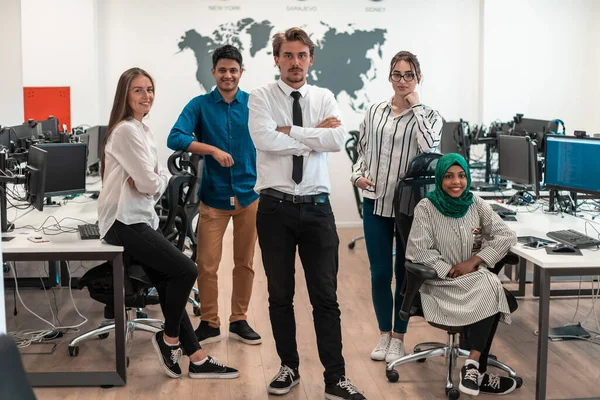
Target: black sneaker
point(241, 331)
point(207, 334)
point(496, 384)
point(212, 369)
point(469, 380)
point(168, 356)
point(284, 381)
point(343, 390)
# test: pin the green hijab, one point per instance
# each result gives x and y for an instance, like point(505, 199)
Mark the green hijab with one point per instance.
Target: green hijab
point(447, 205)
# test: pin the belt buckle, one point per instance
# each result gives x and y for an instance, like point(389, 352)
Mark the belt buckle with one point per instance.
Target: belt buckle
point(296, 199)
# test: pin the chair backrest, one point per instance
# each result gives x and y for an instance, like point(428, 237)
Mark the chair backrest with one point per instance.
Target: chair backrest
point(352, 151)
point(179, 192)
point(412, 188)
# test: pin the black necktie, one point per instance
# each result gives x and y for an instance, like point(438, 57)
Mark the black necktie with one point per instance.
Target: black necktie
point(297, 119)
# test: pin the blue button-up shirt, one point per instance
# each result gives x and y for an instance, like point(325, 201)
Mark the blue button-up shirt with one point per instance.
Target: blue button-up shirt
point(211, 120)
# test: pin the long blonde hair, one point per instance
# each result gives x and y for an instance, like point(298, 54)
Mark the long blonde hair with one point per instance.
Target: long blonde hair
point(121, 110)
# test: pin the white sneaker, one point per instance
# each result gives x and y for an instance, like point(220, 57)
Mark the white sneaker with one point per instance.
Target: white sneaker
point(378, 354)
point(395, 351)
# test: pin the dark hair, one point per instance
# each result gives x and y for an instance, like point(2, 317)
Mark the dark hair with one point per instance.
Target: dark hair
point(229, 52)
point(409, 58)
point(121, 110)
point(292, 35)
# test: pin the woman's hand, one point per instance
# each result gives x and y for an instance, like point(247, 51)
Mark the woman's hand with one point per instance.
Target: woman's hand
point(131, 183)
point(412, 98)
point(465, 267)
point(364, 184)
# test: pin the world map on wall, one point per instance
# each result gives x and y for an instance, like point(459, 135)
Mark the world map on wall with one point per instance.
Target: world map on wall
point(344, 58)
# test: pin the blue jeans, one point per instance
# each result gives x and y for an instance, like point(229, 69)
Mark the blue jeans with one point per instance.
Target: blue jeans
point(379, 237)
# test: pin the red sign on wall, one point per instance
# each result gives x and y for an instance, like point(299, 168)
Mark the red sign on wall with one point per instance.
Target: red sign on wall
point(42, 102)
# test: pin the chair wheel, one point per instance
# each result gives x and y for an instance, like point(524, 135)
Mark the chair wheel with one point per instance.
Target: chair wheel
point(73, 351)
point(392, 375)
point(103, 335)
point(453, 393)
point(519, 381)
point(351, 245)
point(196, 311)
point(140, 314)
point(421, 360)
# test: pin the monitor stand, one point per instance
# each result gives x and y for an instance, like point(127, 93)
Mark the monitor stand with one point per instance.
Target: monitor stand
point(50, 203)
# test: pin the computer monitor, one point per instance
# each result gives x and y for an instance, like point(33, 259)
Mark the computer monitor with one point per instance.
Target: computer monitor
point(572, 164)
point(535, 129)
point(517, 161)
point(454, 139)
point(93, 142)
point(26, 131)
point(37, 162)
point(101, 134)
point(50, 129)
point(65, 169)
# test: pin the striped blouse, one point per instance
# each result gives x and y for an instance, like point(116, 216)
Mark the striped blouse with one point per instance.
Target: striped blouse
point(386, 145)
point(442, 242)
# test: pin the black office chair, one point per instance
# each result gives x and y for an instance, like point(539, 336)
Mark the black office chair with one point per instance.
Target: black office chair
point(420, 179)
point(13, 379)
point(352, 151)
point(187, 219)
point(99, 280)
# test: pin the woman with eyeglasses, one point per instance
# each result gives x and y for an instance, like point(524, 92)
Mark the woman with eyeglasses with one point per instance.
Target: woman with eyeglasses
point(392, 133)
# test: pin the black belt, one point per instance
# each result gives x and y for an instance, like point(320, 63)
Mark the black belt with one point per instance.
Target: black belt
point(320, 198)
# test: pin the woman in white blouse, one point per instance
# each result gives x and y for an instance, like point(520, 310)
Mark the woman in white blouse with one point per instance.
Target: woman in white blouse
point(133, 181)
point(392, 133)
point(457, 233)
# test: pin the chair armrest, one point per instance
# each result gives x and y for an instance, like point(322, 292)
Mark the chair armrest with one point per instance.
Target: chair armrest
point(509, 258)
point(414, 277)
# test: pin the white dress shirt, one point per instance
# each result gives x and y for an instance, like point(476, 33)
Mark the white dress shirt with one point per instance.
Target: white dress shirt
point(271, 106)
point(386, 145)
point(130, 152)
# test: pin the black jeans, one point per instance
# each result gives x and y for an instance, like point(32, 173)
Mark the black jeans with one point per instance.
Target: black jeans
point(479, 337)
point(171, 272)
point(282, 226)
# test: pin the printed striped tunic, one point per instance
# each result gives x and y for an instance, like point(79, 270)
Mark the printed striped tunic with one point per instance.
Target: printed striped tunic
point(441, 242)
point(386, 145)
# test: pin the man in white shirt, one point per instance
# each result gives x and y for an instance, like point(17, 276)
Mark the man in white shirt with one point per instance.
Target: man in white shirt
point(294, 125)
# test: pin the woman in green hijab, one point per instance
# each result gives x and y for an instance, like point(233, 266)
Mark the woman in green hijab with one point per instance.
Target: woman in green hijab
point(456, 232)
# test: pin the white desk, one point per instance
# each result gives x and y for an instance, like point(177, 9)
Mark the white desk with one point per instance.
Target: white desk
point(69, 246)
point(549, 265)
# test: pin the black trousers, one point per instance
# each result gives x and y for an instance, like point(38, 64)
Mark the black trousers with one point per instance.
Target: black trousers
point(171, 272)
point(282, 227)
point(479, 337)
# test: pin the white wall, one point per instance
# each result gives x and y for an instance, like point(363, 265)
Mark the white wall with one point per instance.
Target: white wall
point(541, 59)
point(11, 66)
point(59, 49)
point(537, 57)
point(151, 43)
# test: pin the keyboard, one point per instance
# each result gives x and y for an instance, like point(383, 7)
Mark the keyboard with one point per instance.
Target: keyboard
point(89, 231)
point(573, 238)
point(501, 210)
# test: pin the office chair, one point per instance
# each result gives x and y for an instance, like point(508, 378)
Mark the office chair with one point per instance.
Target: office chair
point(420, 179)
point(99, 280)
point(181, 162)
point(352, 151)
point(13, 379)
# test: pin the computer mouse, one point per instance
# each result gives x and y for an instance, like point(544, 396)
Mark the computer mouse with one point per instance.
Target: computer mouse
point(563, 248)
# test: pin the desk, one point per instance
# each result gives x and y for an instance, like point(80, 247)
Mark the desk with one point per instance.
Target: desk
point(69, 246)
point(547, 266)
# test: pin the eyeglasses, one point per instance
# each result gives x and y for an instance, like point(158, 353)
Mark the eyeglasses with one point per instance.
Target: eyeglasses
point(397, 76)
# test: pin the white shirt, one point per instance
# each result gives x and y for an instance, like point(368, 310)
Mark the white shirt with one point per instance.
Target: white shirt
point(271, 106)
point(130, 152)
point(386, 145)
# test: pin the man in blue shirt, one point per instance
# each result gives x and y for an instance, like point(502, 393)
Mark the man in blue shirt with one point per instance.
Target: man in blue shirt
point(216, 125)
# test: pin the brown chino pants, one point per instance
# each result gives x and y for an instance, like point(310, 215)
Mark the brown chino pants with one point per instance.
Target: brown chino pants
point(211, 228)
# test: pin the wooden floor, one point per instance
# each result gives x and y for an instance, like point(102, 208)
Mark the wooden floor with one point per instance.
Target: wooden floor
point(574, 369)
